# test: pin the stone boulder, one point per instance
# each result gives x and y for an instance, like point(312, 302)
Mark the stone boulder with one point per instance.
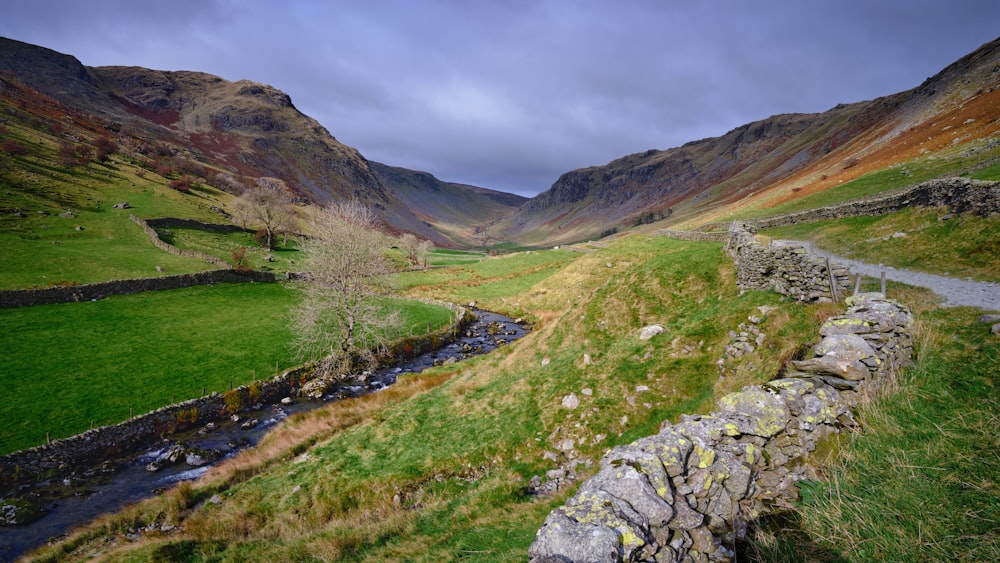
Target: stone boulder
point(650, 331)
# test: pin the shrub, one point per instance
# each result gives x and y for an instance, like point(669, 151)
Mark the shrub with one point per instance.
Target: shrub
point(187, 166)
point(84, 154)
point(260, 237)
point(182, 184)
point(105, 148)
point(233, 400)
point(256, 391)
point(240, 260)
point(14, 148)
point(67, 154)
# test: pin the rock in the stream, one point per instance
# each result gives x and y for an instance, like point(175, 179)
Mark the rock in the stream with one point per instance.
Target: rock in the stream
point(17, 512)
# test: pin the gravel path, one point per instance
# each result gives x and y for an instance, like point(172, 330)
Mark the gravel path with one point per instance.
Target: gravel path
point(956, 292)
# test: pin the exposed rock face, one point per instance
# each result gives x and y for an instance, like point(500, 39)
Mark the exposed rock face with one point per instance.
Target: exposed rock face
point(687, 493)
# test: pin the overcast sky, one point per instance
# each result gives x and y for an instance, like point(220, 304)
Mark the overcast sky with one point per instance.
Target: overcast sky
point(509, 94)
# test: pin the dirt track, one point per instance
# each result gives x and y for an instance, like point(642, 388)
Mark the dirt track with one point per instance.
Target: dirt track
point(956, 292)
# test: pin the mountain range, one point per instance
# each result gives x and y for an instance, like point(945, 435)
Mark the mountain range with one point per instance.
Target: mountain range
point(249, 129)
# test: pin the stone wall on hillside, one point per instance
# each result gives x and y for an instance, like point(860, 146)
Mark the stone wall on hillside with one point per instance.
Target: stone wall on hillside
point(701, 236)
point(64, 456)
point(171, 249)
point(688, 493)
point(959, 195)
point(89, 292)
point(786, 268)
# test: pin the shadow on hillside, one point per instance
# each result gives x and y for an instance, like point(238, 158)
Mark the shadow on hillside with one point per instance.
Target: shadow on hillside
point(780, 537)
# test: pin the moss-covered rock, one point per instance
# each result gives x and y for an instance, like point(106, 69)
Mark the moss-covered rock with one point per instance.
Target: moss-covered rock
point(755, 411)
point(17, 512)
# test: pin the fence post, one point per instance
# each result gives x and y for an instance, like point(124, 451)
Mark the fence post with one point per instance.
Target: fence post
point(883, 282)
point(857, 284)
point(833, 282)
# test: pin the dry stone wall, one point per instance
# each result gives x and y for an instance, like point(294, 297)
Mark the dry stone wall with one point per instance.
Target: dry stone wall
point(171, 249)
point(89, 292)
point(787, 269)
point(959, 195)
point(701, 236)
point(790, 270)
point(688, 493)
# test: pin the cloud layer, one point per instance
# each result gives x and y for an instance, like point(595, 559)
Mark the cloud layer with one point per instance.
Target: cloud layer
point(509, 94)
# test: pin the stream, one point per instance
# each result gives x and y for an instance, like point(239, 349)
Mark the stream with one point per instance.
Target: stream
point(130, 481)
point(955, 292)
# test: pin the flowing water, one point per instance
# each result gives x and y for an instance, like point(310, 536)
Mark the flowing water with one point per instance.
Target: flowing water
point(130, 482)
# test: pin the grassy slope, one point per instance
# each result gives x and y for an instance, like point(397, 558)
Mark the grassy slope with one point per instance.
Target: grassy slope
point(41, 248)
point(920, 482)
point(437, 470)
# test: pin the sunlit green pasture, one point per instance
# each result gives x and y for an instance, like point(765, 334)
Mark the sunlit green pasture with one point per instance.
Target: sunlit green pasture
point(69, 365)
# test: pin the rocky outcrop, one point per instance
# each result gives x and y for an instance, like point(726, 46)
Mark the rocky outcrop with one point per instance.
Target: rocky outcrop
point(688, 493)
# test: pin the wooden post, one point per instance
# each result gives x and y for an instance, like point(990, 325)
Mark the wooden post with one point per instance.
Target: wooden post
point(883, 282)
point(857, 284)
point(833, 282)
point(47, 440)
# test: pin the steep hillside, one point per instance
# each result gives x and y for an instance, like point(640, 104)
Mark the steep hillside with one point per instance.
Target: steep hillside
point(241, 128)
point(771, 161)
point(464, 213)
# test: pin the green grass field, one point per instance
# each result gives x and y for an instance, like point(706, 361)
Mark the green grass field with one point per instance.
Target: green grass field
point(69, 365)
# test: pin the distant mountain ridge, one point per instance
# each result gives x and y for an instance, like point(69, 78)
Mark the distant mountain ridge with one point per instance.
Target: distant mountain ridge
point(249, 128)
point(769, 161)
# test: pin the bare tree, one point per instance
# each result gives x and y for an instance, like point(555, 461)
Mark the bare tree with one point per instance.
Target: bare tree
point(340, 317)
point(416, 250)
point(266, 202)
point(423, 250)
point(408, 244)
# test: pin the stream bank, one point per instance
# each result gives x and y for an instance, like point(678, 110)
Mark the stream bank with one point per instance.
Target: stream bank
point(110, 485)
